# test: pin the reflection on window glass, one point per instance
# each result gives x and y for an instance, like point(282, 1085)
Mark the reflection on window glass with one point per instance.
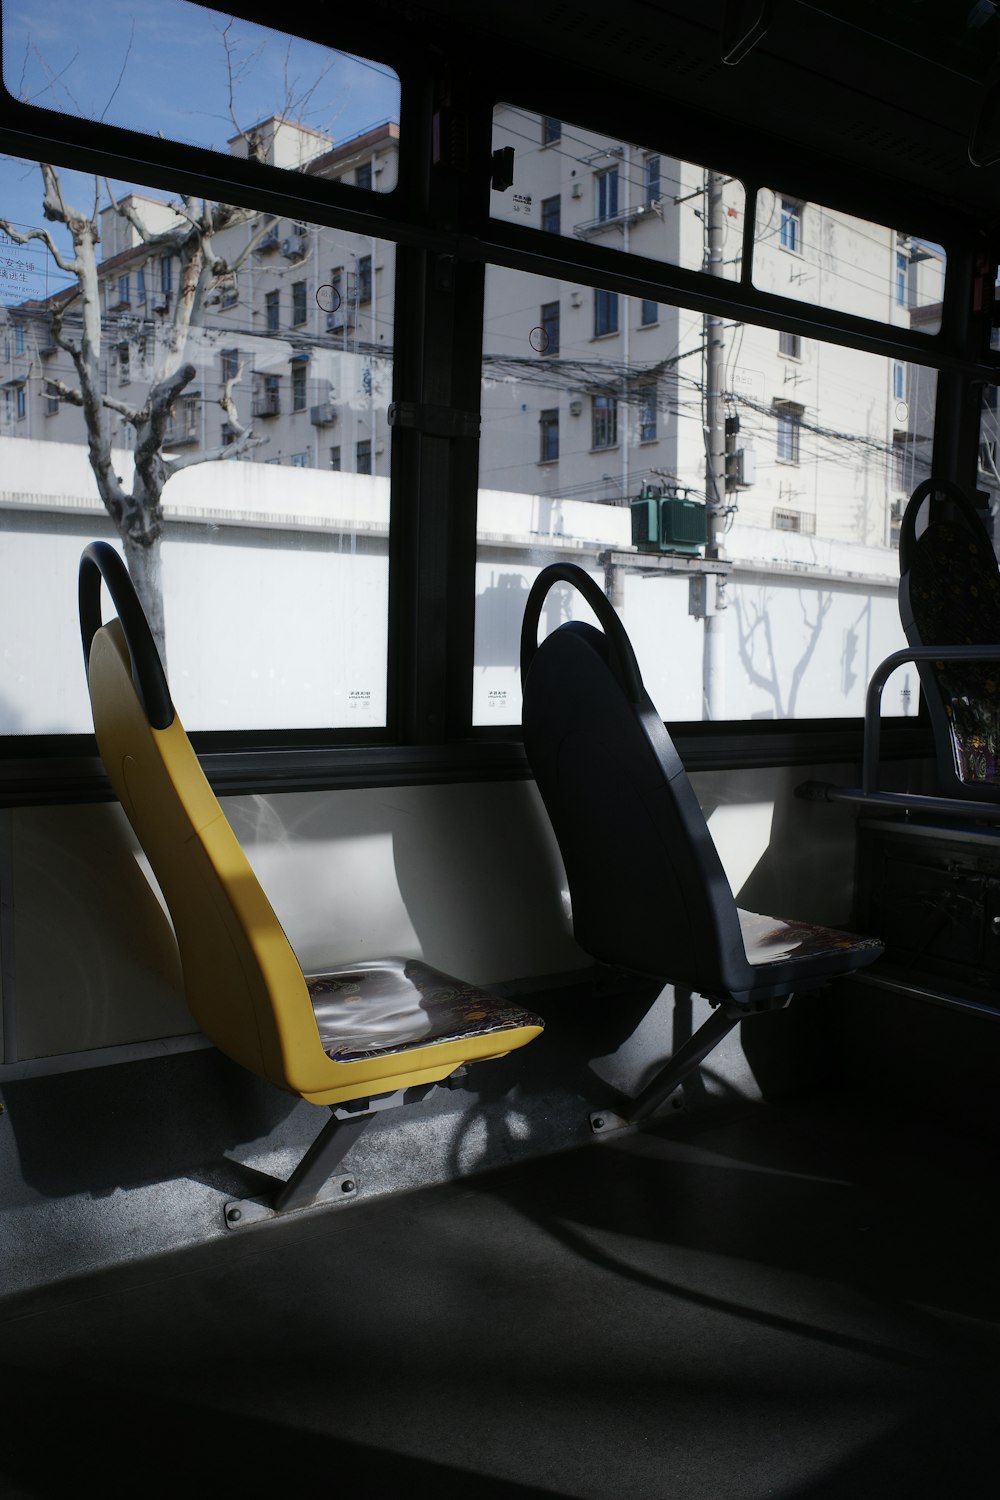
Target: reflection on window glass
point(578, 183)
point(598, 454)
point(988, 479)
point(207, 79)
point(831, 259)
point(245, 451)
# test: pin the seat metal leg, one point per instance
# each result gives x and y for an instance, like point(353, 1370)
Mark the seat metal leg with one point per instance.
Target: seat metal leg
point(683, 1062)
point(330, 1146)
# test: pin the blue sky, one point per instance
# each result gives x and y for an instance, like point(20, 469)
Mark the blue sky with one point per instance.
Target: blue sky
point(161, 66)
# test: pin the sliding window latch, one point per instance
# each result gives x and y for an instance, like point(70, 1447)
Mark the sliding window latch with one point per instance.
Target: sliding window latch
point(434, 421)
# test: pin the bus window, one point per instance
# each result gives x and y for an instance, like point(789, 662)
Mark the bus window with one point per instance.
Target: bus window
point(204, 78)
point(832, 259)
point(260, 377)
point(594, 428)
point(614, 194)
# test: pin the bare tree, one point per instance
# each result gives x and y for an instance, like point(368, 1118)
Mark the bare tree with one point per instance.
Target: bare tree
point(190, 236)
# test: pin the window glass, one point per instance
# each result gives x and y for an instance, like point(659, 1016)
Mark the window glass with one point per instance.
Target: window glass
point(989, 453)
point(820, 255)
point(273, 569)
point(612, 193)
point(204, 78)
point(598, 456)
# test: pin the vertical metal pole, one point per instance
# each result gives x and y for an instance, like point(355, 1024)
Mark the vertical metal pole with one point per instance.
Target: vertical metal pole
point(713, 670)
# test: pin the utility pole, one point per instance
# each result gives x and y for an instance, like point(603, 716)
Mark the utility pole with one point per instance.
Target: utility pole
point(713, 669)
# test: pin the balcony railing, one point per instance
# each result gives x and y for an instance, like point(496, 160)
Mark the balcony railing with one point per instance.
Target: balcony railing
point(620, 220)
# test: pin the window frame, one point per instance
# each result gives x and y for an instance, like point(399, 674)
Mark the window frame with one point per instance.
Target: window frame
point(549, 320)
point(790, 225)
point(419, 230)
point(606, 313)
point(548, 435)
point(603, 422)
point(788, 417)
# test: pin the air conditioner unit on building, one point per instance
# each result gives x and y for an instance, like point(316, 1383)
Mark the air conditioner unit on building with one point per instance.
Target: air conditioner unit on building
point(343, 318)
point(271, 241)
point(576, 191)
point(575, 408)
point(161, 303)
point(576, 299)
point(294, 247)
point(323, 415)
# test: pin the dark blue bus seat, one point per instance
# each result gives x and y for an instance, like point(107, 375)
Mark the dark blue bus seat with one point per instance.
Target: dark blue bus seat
point(360, 1032)
point(949, 595)
point(949, 608)
point(646, 883)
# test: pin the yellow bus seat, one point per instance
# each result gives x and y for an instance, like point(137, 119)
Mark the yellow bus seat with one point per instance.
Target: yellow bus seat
point(362, 1031)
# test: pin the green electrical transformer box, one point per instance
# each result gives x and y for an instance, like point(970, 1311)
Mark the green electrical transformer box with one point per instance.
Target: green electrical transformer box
point(669, 523)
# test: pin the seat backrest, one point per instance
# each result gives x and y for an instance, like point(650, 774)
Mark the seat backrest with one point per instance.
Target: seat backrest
point(949, 595)
point(647, 886)
point(243, 983)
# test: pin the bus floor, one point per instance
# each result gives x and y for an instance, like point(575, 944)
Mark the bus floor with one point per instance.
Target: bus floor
point(786, 1300)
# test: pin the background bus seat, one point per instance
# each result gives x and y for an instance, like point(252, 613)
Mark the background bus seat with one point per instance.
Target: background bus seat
point(647, 887)
point(949, 608)
point(949, 595)
point(361, 1032)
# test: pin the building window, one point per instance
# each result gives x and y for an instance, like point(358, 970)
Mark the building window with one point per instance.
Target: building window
point(299, 386)
point(550, 328)
point(363, 456)
point(789, 419)
point(300, 460)
point(124, 300)
point(267, 396)
point(606, 193)
point(364, 278)
point(649, 314)
point(166, 275)
point(335, 458)
point(790, 344)
point(652, 180)
point(902, 268)
point(21, 401)
point(230, 291)
point(140, 286)
point(647, 414)
point(272, 311)
point(899, 382)
point(182, 424)
point(793, 520)
point(548, 434)
point(790, 233)
point(605, 313)
point(906, 467)
point(124, 365)
point(363, 176)
point(299, 313)
point(227, 434)
point(19, 338)
point(604, 422)
point(551, 130)
point(51, 401)
point(230, 364)
point(552, 215)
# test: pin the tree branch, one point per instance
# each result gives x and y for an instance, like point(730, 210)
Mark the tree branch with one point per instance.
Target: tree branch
point(71, 267)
